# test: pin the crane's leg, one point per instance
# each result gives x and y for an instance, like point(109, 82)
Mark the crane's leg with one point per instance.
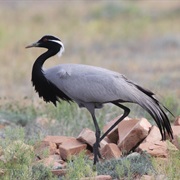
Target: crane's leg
point(126, 112)
point(96, 145)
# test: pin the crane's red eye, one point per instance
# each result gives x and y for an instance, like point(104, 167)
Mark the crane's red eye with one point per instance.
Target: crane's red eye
point(45, 39)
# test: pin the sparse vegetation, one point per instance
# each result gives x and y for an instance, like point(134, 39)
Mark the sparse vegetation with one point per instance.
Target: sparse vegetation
point(79, 166)
point(130, 167)
point(169, 168)
point(136, 39)
point(17, 158)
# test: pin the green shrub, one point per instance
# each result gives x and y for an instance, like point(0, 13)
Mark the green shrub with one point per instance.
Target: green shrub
point(168, 167)
point(18, 158)
point(79, 166)
point(40, 172)
point(130, 166)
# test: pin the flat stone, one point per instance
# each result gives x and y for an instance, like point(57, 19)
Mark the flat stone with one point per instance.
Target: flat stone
point(52, 161)
point(59, 172)
point(113, 134)
point(110, 150)
point(158, 148)
point(154, 135)
point(56, 139)
point(177, 121)
point(71, 147)
point(147, 177)
point(88, 136)
point(132, 132)
point(176, 133)
point(44, 121)
point(100, 177)
point(45, 148)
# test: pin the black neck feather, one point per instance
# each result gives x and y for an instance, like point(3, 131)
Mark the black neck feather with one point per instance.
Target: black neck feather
point(45, 88)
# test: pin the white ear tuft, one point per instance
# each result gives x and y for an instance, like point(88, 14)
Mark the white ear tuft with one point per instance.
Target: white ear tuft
point(62, 49)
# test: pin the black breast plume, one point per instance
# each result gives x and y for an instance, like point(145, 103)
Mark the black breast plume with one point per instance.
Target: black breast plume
point(47, 90)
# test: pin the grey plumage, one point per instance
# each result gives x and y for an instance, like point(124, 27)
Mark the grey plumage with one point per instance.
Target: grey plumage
point(97, 86)
point(91, 87)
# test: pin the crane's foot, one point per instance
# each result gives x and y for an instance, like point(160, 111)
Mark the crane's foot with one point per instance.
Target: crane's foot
point(96, 153)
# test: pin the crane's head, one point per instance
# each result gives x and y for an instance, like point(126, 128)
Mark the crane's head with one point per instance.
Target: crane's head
point(51, 43)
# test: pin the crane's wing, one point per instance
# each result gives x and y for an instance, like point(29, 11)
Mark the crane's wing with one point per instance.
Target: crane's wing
point(89, 84)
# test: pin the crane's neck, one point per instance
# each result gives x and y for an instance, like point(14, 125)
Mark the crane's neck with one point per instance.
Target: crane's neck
point(41, 59)
point(38, 79)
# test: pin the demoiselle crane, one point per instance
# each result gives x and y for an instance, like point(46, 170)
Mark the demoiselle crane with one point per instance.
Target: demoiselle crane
point(91, 87)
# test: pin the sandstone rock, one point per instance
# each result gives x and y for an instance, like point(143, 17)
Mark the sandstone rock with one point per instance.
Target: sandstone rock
point(100, 177)
point(153, 177)
point(103, 177)
point(59, 172)
point(113, 134)
point(154, 135)
point(147, 177)
point(88, 136)
point(1, 151)
point(157, 149)
point(110, 150)
point(2, 159)
point(176, 133)
point(2, 172)
point(2, 126)
point(132, 132)
point(45, 148)
point(44, 121)
point(161, 177)
point(107, 140)
point(177, 121)
point(71, 147)
point(52, 161)
point(57, 139)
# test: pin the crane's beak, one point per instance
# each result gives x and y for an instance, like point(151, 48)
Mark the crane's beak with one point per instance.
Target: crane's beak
point(36, 44)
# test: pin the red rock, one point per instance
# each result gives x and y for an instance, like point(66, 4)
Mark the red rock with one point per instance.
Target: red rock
point(53, 148)
point(56, 157)
point(154, 135)
point(176, 133)
point(44, 148)
point(147, 177)
point(177, 121)
point(157, 149)
point(52, 161)
point(107, 139)
point(2, 126)
point(59, 172)
point(176, 130)
point(43, 121)
point(103, 177)
point(57, 165)
point(88, 136)
point(100, 177)
point(56, 139)
point(2, 172)
point(113, 134)
point(1, 151)
point(110, 150)
point(71, 147)
point(132, 132)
